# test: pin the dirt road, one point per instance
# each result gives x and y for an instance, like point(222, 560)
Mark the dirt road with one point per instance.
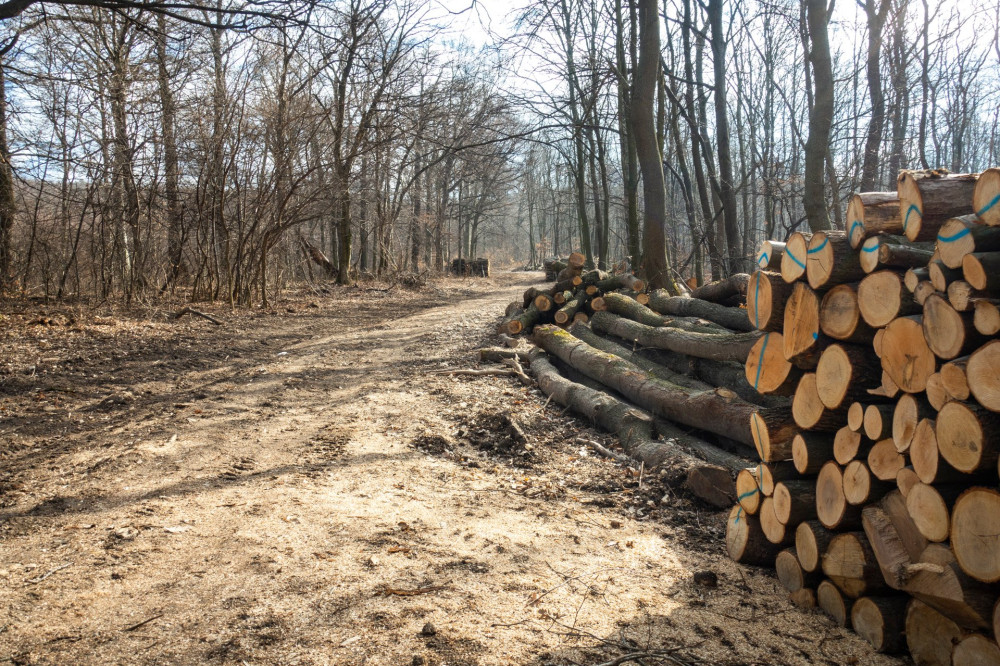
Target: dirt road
point(306, 487)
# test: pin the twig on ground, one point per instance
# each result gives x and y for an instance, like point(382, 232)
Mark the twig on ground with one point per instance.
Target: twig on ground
point(515, 364)
point(386, 590)
point(143, 623)
point(479, 373)
point(606, 452)
point(183, 311)
point(49, 573)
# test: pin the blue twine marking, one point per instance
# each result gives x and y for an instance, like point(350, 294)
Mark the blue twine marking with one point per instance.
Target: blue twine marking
point(856, 223)
point(760, 361)
point(985, 208)
point(821, 246)
point(801, 265)
point(865, 248)
point(912, 209)
point(763, 259)
point(964, 232)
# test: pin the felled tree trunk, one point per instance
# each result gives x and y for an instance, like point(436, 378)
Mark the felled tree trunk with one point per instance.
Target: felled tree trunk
point(712, 411)
point(735, 319)
point(715, 346)
point(716, 292)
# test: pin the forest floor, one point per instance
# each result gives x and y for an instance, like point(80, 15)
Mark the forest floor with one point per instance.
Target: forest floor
point(305, 486)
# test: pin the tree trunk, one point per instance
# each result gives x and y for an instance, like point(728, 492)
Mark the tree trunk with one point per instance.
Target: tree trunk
point(820, 116)
point(656, 268)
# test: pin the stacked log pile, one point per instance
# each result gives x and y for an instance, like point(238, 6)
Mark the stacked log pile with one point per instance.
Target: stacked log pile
point(575, 296)
point(877, 499)
point(665, 373)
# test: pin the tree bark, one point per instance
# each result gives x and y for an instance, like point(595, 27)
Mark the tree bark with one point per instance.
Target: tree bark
point(820, 116)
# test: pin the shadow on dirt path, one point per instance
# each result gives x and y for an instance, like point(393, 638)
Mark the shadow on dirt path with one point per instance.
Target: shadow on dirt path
point(305, 489)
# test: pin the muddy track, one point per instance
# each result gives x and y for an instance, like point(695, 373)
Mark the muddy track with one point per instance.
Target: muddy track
point(312, 489)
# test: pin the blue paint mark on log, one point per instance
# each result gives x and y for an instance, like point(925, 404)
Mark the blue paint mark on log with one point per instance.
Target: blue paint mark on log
point(794, 258)
point(955, 236)
point(760, 361)
point(986, 208)
point(820, 247)
point(906, 219)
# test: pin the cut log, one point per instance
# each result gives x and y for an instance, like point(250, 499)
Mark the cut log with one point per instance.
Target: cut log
point(936, 395)
point(716, 292)
point(927, 462)
point(955, 381)
point(983, 375)
point(790, 573)
point(767, 294)
point(845, 373)
point(915, 276)
point(801, 327)
point(910, 409)
point(878, 421)
point(968, 437)
point(872, 213)
point(963, 235)
point(766, 369)
point(811, 541)
point(810, 451)
point(840, 316)
point(986, 197)
point(723, 414)
point(927, 200)
point(885, 461)
point(930, 510)
point(861, 487)
point(712, 484)
point(932, 574)
point(576, 260)
point(525, 321)
point(633, 427)
point(906, 356)
point(745, 540)
point(834, 604)
point(598, 304)
point(848, 445)
point(808, 409)
point(804, 598)
point(730, 375)
point(831, 260)
point(930, 636)
point(987, 316)
point(543, 302)
point(890, 251)
point(735, 319)
point(793, 259)
point(881, 622)
point(624, 306)
point(975, 533)
point(976, 650)
point(856, 416)
point(962, 295)
point(565, 314)
point(748, 490)
point(714, 346)
point(924, 290)
point(850, 564)
point(773, 432)
point(769, 255)
point(882, 296)
point(948, 333)
point(888, 389)
point(586, 334)
point(775, 531)
point(832, 508)
point(773, 473)
point(982, 270)
point(941, 276)
point(906, 478)
point(794, 502)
